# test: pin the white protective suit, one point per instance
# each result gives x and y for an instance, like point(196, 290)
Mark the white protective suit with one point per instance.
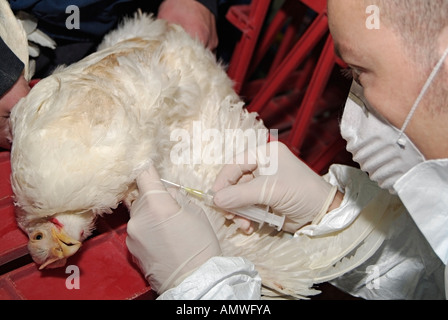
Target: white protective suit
point(404, 267)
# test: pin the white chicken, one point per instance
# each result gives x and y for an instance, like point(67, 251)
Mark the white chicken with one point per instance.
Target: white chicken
point(83, 135)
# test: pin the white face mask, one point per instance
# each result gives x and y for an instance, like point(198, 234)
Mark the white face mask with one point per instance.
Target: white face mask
point(383, 151)
point(372, 142)
point(392, 160)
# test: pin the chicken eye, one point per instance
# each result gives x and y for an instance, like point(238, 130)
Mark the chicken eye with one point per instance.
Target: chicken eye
point(38, 236)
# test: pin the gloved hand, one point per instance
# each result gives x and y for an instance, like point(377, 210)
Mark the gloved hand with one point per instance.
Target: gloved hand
point(167, 241)
point(294, 190)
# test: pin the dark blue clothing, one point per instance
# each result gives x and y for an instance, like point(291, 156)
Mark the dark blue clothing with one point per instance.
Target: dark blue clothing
point(10, 68)
point(97, 17)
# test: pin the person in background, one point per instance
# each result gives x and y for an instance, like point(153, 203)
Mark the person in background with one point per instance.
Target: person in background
point(76, 39)
point(197, 17)
point(13, 87)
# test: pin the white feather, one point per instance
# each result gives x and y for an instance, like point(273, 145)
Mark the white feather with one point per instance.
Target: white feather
point(14, 36)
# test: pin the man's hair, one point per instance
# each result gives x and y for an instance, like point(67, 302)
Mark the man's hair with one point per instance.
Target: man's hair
point(419, 23)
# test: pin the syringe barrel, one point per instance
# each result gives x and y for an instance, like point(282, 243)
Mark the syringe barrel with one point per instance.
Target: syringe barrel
point(259, 215)
point(253, 213)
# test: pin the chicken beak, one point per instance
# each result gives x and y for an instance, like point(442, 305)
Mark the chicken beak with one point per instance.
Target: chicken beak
point(66, 247)
point(53, 263)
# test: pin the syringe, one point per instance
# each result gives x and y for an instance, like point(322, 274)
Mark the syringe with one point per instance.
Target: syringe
point(253, 213)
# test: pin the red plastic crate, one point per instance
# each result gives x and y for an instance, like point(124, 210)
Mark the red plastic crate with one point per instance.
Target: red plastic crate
point(105, 272)
point(283, 66)
point(13, 240)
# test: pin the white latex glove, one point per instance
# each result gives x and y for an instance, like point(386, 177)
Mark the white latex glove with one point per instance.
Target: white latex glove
point(167, 241)
point(294, 190)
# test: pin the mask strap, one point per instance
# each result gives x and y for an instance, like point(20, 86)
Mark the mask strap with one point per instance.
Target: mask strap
point(401, 141)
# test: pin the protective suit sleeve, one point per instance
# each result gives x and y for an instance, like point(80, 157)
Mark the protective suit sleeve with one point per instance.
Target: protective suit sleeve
point(358, 190)
point(220, 278)
point(428, 180)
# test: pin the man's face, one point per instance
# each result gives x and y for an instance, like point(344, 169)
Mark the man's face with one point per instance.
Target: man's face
point(390, 78)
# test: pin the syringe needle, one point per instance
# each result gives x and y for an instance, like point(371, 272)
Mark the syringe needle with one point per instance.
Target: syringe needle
point(171, 183)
